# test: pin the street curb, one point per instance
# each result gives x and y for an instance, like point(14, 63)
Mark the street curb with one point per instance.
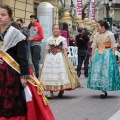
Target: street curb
point(116, 116)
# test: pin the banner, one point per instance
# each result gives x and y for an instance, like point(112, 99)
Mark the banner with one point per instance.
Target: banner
point(92, 11)
point(79, 7)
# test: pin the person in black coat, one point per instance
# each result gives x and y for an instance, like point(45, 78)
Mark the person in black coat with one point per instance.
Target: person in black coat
point(82, 40)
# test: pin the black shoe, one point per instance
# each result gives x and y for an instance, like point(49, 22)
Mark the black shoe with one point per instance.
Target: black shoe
point(61, 93)
point(50, 96)
point(103, 95)
point(86, 76)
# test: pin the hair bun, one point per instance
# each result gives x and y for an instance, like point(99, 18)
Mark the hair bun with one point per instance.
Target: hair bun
point(104, 23)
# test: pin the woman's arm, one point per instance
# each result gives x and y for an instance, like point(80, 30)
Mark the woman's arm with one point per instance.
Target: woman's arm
point(21, 53)
point(113, 43)
point(93, 51)
point(46, 52)
point(65, 54)
point(113, 49)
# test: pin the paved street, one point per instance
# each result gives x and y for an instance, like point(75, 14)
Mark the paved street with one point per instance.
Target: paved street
point(85, 103)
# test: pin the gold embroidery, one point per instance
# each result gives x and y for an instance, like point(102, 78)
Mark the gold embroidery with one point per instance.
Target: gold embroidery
point(8, 59)
point(1, 43)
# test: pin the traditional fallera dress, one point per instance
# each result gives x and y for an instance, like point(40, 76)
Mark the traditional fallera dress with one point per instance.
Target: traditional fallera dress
point(16, 102)
point(104, 72)
point(58, 74)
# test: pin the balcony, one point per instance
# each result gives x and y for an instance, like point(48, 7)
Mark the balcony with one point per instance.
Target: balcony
point(116, 6)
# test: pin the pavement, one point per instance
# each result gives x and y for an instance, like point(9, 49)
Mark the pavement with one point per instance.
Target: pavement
point(85, 104)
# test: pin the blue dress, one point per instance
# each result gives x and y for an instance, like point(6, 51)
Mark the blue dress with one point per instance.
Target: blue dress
point(103, 71)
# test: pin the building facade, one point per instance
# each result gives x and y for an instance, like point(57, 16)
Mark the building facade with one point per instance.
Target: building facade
point(116, 10)
point(24, 8)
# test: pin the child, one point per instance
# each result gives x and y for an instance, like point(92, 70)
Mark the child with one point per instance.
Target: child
point(58, 74)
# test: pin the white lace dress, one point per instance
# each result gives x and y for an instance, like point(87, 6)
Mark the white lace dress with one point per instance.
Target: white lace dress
point(54, 74)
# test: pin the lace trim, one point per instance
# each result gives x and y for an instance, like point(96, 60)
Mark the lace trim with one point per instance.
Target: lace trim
point(55, 41)
point(11, 38)
point(25, 76)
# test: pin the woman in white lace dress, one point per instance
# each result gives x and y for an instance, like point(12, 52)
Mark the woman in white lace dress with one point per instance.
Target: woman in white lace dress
point(58, 74)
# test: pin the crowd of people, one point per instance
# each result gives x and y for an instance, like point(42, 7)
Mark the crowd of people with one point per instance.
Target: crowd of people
point(18, 91)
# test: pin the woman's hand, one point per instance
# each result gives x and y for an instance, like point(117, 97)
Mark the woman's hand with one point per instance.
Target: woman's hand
point(24, 82)
point(29, 38)
point(91, 59)
point(1, 61)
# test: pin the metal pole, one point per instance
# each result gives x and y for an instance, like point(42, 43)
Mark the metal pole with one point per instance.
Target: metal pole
point(107, 10)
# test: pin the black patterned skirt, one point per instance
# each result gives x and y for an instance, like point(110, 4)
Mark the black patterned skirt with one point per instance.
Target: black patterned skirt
point(12, 97)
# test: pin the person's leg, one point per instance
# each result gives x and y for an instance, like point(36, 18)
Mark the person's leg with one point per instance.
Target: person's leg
point(27, 50)
point(35, 54)
point(80, 61)
point(50, 95)
point(61, 92)
point(86, 63)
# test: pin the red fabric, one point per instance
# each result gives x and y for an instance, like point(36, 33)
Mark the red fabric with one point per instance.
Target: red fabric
point(40, 32)
point(36, 108)
point(31, 72)
point(64, 33)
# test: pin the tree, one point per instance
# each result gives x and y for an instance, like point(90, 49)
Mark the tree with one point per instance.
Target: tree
point(62, 8)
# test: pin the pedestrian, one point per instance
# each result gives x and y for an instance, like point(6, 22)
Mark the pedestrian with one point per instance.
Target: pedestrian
point(57, 74)
point(82, 40)
point(25, 32)
point(104, 73)
point(15, 24)
point(115, 31)
point(19, 98)
point(72, 40)
point(36, 36)
point(23, 29)
point(74, 32)
point(65, 32)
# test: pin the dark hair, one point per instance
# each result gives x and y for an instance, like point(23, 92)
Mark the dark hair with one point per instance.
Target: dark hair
point(104, 23)
point(29, 26)
point(65, 26)
point(15, 24)
point(54, 25)
point(114, 25)
point(33, 16)
point(20, 20)
point(8, 8)
point(79, 29)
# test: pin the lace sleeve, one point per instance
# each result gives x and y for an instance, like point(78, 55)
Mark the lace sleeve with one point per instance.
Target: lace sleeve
point(64, 44)
point(94, 41)
point(112, 38)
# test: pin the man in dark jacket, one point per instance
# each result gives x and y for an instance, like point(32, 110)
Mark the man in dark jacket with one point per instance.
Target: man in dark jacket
point(83, 55)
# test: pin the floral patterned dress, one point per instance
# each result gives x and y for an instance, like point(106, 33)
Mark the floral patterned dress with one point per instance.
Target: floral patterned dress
point(104, 72)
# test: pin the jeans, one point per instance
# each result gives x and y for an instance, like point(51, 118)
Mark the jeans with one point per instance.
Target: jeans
point(83, 56)
point(35, 54)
